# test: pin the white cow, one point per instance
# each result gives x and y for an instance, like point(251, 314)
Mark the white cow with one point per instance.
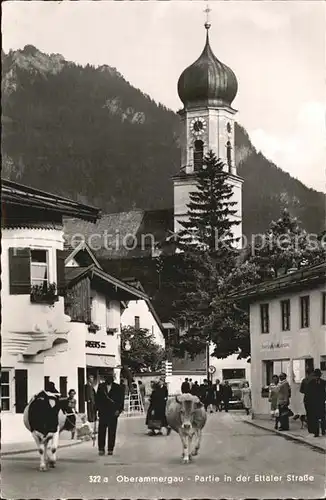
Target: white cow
point(44, 418)
point(187, 416)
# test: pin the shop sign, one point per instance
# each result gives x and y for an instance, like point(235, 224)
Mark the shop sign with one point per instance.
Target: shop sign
point(95, 344)
point(278, 344)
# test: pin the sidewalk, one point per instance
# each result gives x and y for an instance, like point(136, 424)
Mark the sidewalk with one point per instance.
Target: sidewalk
point(295, 433)
point(15, 448)
point(16, 439)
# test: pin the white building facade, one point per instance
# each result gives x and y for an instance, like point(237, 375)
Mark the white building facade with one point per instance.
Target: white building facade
point(141, 314)
point(35, 328)
point(287, 332)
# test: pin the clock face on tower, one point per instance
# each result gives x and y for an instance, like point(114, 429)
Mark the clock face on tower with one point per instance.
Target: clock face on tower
point(198, 126)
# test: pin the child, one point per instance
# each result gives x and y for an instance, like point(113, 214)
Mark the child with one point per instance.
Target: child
point(85, 432)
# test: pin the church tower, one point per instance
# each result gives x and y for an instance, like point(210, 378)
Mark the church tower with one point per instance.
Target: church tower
point(206, 89)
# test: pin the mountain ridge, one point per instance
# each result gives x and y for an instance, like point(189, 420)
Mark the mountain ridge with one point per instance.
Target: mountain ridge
point(90, 135)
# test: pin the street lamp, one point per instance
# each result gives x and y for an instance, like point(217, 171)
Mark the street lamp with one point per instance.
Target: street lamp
point(127, 346)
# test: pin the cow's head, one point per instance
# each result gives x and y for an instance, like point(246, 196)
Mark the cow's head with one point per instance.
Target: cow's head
point(188, 406)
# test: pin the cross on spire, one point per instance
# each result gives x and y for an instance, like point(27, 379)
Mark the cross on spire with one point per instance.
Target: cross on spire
point(207, 11)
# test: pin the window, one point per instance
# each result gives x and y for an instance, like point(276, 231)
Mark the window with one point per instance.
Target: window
point(267, 372)
point(323, 308)
point(275, 367)
point(236, 373)
point(264, 318)
point(285, 313)
point(137, 322)
point(5, 391)
point(198, 155)
point(39, 267)
point(304, 309)
point(229, 154)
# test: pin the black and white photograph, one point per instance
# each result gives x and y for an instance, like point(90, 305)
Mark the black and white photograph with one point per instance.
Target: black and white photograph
point(163, 249)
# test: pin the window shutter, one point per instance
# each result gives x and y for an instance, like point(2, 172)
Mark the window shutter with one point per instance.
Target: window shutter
point(19, 271)
point(81, 389)
point(61, 284)
point(20, 390)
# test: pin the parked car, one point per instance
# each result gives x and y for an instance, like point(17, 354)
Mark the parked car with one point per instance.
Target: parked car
point(236, 386)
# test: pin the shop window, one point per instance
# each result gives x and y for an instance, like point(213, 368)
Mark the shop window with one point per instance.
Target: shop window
point(267, 372)
point(323, 308)
point(264, 318)
point(6, 393)
point(286, 314)
point(305, 311)
point(299, 370)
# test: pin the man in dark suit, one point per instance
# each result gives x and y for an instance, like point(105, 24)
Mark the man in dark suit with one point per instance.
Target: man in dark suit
point(316, 396)
point(90, 398)
point(226, 395)
point(303, 390)
point(109, 404)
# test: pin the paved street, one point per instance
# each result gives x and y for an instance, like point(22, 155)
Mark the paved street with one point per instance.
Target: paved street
point(230, 447)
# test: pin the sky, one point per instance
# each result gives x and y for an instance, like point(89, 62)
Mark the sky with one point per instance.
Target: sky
point(275, 48)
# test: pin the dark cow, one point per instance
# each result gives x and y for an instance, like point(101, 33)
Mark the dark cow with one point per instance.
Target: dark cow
point(44, 418)
point(187, 416)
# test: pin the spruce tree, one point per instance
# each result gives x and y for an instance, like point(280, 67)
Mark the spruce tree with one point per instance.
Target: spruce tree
point(207, 253)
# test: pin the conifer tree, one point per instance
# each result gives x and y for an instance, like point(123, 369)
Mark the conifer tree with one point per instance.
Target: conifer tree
point(208, 253)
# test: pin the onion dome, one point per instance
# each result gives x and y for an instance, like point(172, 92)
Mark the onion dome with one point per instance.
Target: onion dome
point(207, 81)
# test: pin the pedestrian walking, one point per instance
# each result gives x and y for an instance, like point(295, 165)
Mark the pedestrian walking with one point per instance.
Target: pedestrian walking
point(210, 400)
point(204, 393)
point(156, 418)
point(272, 398)
point(226, 395)
point(303, 389)
point(142, 391)
point(283, 401)
point(109, 404)
point(246, 397)
point(195, 390)
point(218, 395)
point(185, 386)
point(90, 394)
point(315, 398)
point(191, 384)
point(71, 412)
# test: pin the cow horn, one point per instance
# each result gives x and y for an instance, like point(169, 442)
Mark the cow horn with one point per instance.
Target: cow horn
point(177, 400)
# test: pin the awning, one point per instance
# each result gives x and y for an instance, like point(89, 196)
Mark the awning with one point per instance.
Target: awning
point(100, 360)
point(43, 345)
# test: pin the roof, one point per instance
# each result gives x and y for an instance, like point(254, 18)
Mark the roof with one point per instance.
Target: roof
point(75, 274)
point(298, 280)
point(123, 234)
point(82, 252)
point(207, 81)
point(20, 195)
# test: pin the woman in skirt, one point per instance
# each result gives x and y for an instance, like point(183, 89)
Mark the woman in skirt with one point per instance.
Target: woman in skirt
point(71, 413)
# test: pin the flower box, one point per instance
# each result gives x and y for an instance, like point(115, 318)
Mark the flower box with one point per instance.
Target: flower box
point(44, 294)
point(92, 328)
point(111, 331)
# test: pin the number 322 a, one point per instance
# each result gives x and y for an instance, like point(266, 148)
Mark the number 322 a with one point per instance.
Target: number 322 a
point(94, 479)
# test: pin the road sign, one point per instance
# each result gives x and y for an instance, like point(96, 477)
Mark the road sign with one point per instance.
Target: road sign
point(212, 369)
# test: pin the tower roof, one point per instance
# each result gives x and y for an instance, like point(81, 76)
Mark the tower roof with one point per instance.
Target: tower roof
point(207, 81)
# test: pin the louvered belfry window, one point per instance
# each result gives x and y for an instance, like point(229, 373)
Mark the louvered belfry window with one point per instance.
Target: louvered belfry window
point(198, 155)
